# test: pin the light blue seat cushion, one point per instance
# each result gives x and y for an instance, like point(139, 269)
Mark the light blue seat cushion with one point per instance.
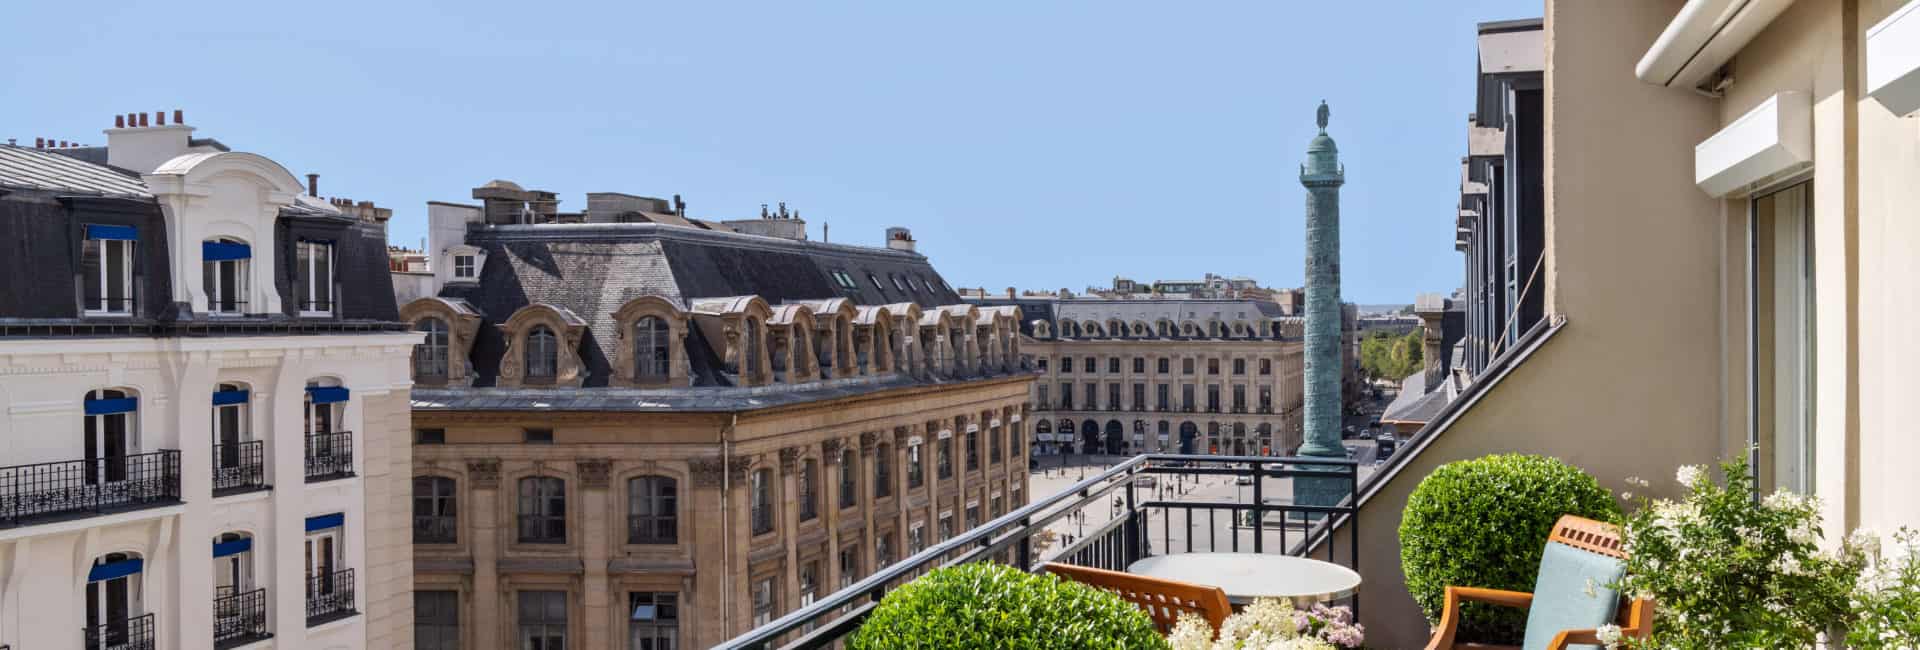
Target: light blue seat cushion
point(1573, 592)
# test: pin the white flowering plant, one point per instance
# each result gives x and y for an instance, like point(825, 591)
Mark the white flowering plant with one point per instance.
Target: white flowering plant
point(1886, 600)
point(1272, 624)
point(1729, 571)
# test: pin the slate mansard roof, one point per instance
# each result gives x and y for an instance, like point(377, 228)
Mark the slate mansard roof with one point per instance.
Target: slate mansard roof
point(48, 197)
point(593, 269)
point(1037, 309)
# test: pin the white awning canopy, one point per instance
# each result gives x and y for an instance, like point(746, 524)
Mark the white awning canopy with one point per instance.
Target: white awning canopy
point(1771, 142)
point(1702, 36)
point(1893, 60)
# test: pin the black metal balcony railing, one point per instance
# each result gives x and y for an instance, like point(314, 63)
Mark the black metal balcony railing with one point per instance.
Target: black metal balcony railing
point(435, 529)
point(762, 518)
point(239, 618)
point(1146, 525)
point(652, 529)
point(330, 597)
point(239, 467)
point(131, 634)
point(80, 488)
point(329, 455)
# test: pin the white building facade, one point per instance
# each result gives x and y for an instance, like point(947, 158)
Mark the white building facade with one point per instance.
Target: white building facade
point(203, 404)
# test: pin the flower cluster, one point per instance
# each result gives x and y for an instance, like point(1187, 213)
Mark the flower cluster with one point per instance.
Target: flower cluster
point(1272, 624)
point(1730, 571)
point(1886, 600)
point(1734, 572)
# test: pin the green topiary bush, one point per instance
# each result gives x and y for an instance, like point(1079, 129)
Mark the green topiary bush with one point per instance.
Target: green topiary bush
point(1484, 523)
point(984, 605)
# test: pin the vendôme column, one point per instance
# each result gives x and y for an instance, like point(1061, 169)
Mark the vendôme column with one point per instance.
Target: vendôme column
point(1322, 175)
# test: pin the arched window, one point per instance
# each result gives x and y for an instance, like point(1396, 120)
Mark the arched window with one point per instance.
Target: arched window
point(849, 478)
point(761, 506)
point(652, 510)
point(436, 519)
point(543, 354)
point(232, 576)
point(750, 366)
point(238, 460)
point(543, 510)
point(430, 355)
point(114, 596)
point(224, 275)
point(329, 446)
point(650, 349)
point(112, 436)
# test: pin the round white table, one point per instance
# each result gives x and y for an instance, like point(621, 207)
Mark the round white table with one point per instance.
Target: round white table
point(1246, 576)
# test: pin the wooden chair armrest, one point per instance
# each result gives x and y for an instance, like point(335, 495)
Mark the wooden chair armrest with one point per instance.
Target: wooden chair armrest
point(1450, 614)
point(1569, 637)
point(1501, 597)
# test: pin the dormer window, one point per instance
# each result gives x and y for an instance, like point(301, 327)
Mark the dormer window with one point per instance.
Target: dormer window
point(650, 341)
point(313, 282)
point(224, 268)
point(543, 359)
point(464, 267)
point(106, 268)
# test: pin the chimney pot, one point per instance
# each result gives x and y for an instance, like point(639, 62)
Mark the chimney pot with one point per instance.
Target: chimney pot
point(119, 121)
point(176, 117)
point(143, 119)
point(160, 117)
point(37, 142)
point(313, 185)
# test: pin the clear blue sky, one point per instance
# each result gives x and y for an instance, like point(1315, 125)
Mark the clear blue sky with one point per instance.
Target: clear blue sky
point(1037, 145)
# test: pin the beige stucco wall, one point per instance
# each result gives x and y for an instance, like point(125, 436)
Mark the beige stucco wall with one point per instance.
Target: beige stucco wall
point(1632, 385)
point(1889, 226)
point(1866, 161)
point(389, 475)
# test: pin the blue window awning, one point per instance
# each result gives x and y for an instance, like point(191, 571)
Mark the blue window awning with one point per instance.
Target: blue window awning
point(113, 570)
point(111, 406)
point(323, 522)
point(327, 394)
point(216, 251)
point(98, 231)
point(226, 397)
point(235, 547)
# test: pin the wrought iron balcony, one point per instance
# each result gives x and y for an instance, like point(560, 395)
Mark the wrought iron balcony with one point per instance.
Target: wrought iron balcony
point(1150, 521)
point(239, 467)
point(435, 529)
point(329, 456)
point(239, 618)
point(762, 518)
point(83, 488)
point(330, 597)
point(130, 634)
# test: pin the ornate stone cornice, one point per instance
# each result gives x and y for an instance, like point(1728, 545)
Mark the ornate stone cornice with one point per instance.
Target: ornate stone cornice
point(706, 471)
point(484, 472)
point(593, 471)
point(789, 459)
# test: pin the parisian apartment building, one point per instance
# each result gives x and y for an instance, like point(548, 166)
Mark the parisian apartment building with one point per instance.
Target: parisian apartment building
point(203, 402)
point(638, 429)
point(1169, 366)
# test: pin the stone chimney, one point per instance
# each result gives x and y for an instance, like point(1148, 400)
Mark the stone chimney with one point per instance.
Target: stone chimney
point(900, 239)
point(140, 145)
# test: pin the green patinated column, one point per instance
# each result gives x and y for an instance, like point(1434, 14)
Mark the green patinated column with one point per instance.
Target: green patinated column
point(1322, 175)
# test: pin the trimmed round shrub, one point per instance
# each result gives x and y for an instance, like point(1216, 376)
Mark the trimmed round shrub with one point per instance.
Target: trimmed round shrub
point(1484, 523)
point(983, 605)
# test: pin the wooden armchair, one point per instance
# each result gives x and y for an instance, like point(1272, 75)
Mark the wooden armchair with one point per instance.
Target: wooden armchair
point(1163, 600)
point(1583, 557)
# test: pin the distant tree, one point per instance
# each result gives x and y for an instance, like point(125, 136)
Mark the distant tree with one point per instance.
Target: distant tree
point(1389, 357)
